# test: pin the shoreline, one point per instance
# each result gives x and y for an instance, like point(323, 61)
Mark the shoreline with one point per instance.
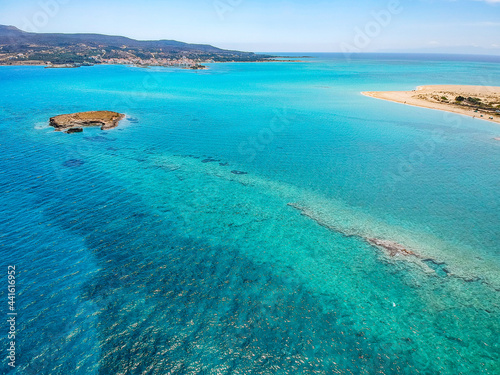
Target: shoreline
point(432, 97)
point(78, 65)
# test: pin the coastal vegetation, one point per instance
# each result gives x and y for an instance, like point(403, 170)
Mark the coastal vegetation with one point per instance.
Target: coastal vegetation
point(478, 103)
point(488, 104)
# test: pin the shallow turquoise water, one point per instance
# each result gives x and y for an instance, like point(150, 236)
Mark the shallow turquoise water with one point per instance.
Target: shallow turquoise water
point(225, 231)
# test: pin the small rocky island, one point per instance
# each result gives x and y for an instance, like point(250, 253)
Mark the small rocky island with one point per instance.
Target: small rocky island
point(75, 122)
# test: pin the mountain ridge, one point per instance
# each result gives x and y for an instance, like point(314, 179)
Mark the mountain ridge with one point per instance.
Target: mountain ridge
point(80, 47)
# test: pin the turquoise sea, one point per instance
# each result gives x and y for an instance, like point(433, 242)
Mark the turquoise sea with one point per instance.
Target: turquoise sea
point(224, 226)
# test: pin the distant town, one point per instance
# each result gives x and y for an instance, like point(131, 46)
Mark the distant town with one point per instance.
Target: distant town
point(73, 50)
point(60, 57)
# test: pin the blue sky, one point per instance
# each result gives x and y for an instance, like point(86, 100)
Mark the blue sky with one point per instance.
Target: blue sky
point(469, 26)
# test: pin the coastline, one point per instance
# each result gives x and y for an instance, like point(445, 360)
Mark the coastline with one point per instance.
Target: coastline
point(181, 66)
point(430, 97)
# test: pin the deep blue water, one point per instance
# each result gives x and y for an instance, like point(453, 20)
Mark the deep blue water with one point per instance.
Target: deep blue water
point(224, 231)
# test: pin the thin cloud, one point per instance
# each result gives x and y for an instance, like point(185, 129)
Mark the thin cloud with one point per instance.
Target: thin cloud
point(490, 1)
point(482, 24)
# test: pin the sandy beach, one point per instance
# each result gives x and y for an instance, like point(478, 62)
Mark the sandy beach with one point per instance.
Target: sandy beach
point(444, 98)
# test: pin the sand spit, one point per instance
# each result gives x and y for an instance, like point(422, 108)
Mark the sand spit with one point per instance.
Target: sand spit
point(481, 102)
